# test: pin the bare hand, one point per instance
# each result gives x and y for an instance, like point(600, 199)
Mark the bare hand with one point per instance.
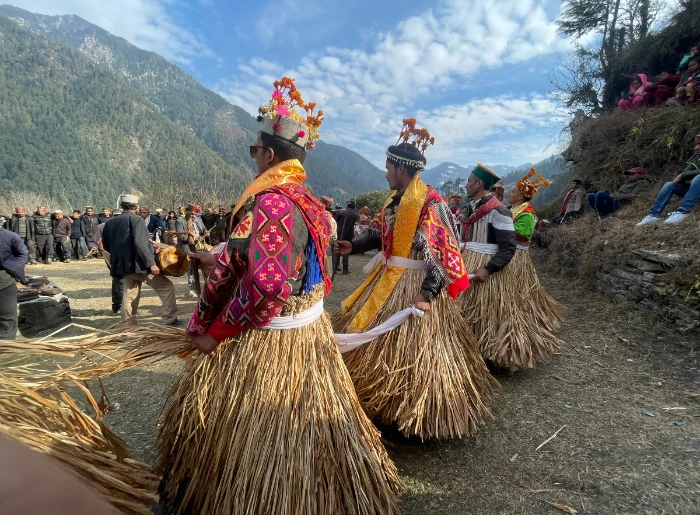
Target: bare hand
point(204, 344)
point(343, 248)
point(678, 179)
point(155, 270)
point(206, 259)
point(420, 302)
point(481, 276)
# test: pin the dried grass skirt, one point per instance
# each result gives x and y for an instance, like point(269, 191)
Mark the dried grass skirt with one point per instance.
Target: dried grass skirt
point(269, 423)
point(426, 375)
point(508, 330)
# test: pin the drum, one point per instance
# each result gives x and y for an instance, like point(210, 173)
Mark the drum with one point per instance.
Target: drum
point(171, 260)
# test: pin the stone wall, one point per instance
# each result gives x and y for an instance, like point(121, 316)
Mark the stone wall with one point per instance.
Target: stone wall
point(644, 278)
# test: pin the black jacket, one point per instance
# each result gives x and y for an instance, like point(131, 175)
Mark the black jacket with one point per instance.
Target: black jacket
point(126, 239)
point(13, 254)
point(42, 224)
point(62, 228)
point(346, 220)
point(13, 225)
point(90, 222)
point(102, 219)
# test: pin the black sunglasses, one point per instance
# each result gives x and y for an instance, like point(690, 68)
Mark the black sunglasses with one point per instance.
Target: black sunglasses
point(254, 150)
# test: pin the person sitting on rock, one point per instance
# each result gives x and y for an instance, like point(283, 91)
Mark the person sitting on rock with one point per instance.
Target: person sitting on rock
point(573, 203)
point(686, 185)
point(635, 98)
point(663, 89)
point(689, 85)
point(605, 204)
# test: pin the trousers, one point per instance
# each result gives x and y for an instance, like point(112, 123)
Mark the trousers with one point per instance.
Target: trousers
point(44, 246)
point(8, 313)
point(162, 286)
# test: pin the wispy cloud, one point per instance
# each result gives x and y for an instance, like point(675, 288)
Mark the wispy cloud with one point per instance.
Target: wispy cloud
point(147, 24)
point(425, 60)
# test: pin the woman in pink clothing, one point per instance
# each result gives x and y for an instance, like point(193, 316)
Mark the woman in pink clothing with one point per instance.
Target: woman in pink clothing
point(635, 98)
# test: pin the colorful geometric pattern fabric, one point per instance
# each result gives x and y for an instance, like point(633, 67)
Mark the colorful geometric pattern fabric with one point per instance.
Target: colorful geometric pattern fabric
point(481, 212)
point(524, 221)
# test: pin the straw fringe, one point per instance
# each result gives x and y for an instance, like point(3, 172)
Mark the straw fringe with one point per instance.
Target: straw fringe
point(269, 423)
point(533, 297)
point(508, 332)
point(426, 375)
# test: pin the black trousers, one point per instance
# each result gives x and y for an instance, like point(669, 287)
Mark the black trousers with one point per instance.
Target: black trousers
point(44, 246)
point(8, 313)
point(63, 249)
point(117, 292)
point(346, 263)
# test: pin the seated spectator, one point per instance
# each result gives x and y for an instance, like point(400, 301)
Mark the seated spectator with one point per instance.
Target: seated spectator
point(686, 185)
point(573, 203)
point(689, 84)
point(635, 98)
point(662, 90)
point(605, 204)
point(683, 65)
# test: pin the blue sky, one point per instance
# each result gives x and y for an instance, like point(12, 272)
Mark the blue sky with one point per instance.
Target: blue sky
point(474, 72)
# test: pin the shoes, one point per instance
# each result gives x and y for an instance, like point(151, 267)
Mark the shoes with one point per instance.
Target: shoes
point(26, 294)
point(175, 323)
point(116, 311)
point(32, 262)
point(40, 279)
point(676, 217)
point(192, 294)
point(67, 261)
point(49, 291)
point(649, 219)
point(346, 272)
point(48, 261)
point(83, 259)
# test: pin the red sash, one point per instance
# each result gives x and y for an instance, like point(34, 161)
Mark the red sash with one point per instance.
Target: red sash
point(483, 210)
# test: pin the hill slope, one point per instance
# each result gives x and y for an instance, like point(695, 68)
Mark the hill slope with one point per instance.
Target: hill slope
point(226, 129)
point(77, 132)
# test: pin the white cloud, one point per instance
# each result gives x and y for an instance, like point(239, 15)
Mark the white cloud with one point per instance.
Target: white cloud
point(144, 23)
point(366, 93)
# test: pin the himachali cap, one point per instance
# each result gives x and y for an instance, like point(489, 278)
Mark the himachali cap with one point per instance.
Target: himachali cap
point(529, 188)
point(486, 174)
point(131, 199)
point(280, 119)
point(410, 148)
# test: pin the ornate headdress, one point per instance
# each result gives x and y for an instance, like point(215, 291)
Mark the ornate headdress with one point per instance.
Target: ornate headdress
point(281, 120)
point(527, 187)
point(410, 146)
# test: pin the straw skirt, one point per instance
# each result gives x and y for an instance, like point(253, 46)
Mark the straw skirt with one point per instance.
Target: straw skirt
point(547, 311)
point(509, 333)
point(269, 423)
point(426, 376)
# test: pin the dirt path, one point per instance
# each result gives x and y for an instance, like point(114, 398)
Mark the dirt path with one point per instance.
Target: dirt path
point(624, 394)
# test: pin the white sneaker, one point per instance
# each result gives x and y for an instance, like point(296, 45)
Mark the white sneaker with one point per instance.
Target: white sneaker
point(649, 219)
point(676, 217)
point(192, 293)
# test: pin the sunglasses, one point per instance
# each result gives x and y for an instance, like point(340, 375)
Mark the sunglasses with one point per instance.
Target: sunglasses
point(254, 150)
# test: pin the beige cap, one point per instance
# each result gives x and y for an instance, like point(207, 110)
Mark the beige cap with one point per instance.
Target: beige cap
point(131, 199)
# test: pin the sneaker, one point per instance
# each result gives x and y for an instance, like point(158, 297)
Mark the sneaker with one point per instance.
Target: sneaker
point(676, 217)
point(32, 262)
point(49, 261)
point(346, 272)
point(175, 323)
point(649, 219)
point(192, 293)
point(67, 261)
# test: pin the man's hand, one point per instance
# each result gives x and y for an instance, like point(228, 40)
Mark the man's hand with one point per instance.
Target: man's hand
point(420, 302)
point(206, 259)
point(204, 344)
point(678, 179)
point(343, 248)
point(481, 276)
point(154, 270)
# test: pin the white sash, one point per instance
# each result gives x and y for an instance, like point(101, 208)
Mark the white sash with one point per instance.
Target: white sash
point(399, 262)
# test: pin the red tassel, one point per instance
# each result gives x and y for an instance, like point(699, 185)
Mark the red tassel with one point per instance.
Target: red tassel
point(458, 286)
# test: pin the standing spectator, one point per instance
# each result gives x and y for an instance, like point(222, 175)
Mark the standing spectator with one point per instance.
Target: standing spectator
point(197, 234)
point(23, 226)
point(635, 98)
point(61, 236)
point(106, 215)
point(687, 88)
point(346, 219)
point(77, 237)
point(220, 226)
point(43, 234)
point(90, 221)
point(209, 220)
point(171, 226)
point(229, 215)
point(154, 225)
point(13, 257)
point(686, 185)
point(117, 282)
point(132, 257)
point(161, 215)
point(605, 204)
point(573, 203)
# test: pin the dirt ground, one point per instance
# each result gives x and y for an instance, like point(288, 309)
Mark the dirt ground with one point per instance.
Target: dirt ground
point(623, 395)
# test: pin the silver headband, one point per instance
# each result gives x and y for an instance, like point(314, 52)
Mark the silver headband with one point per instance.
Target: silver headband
point(419, 165)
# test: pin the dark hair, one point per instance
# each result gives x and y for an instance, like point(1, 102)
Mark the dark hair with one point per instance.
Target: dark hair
point(407, 151)
point(76, 211)
point(284, 149)
point(128, 206)
point(694, 60)
point(577, 181)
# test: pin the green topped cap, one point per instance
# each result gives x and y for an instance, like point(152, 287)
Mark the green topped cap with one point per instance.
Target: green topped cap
point(487, 175)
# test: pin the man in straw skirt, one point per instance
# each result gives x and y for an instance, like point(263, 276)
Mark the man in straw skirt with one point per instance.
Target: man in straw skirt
point(425, 375)
point(534, 301)
point(506, 337)
point(268, 421)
